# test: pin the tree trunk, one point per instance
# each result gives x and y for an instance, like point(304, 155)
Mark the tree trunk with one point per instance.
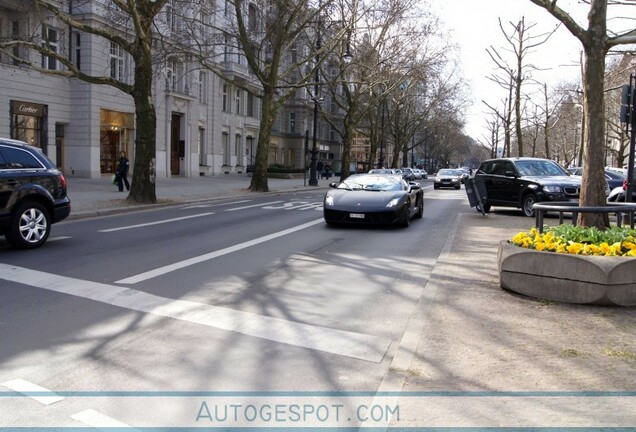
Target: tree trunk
point(142, 189)
point(268, 115)
point(593, 190)
point(346, 151)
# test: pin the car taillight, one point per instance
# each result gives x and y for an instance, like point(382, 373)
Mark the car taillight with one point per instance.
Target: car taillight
point(63, 180)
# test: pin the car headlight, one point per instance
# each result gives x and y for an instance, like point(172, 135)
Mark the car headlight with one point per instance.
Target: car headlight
point(393, 202)
point(329, 200)
point(552, 189)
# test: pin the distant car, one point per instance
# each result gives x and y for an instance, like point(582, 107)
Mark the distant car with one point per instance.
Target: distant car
point(448, 177)
point(520, 182)
point(383, 171)
point(424, 174)
point(32, 194)
point(465, 174)
point(613, 178)
point(408, 174)
point(373, 199)
point(417, 173)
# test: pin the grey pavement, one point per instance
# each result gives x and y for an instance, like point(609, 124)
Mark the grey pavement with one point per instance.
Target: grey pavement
point(467, 334)
point(95, 197)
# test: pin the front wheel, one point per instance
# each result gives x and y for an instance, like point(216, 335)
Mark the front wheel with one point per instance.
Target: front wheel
point(527, 203)
point(420, 209)
point(30, 226)
point(406, 221)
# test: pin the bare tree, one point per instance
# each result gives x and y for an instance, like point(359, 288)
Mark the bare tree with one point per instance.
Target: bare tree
point(596, 42)
point(132, 28)
point(520, 44)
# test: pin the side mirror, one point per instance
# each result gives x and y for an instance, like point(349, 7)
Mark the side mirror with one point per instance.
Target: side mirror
point(333, 185)
point(414, 185)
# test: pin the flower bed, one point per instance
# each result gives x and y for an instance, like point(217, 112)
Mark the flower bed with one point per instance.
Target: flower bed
point(572, 265)
point(577, 240)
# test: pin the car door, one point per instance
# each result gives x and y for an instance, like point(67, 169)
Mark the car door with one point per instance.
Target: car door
point(509, 184)
point(500, 182)
point(5, 186)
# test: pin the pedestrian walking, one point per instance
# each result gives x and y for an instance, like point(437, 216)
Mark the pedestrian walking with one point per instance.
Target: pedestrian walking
point(122, 172)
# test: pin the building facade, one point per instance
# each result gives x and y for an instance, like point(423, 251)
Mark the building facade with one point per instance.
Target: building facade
point(205, 124)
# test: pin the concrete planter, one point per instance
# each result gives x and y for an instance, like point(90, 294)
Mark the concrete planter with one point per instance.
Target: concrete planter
point(567, 278)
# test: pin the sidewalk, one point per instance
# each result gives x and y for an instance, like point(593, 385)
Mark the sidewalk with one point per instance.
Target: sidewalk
point(95, 197)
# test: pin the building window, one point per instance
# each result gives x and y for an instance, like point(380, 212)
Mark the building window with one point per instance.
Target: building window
point(249, 109)
point(203, 87)
point(203, 26)
point(15, 34)
point(50, 43)
point(172, 16)
point(174, 76)
point(237, 102)
point(202, 154)
point(238, 149)
point(252, 24)
point(226, 148)
point(78, 51)
point(225, 107)
point(117, 62)
point(292, 122)
point(227, 49)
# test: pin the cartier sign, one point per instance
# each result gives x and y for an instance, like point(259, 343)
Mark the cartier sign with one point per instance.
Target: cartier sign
point(27, 108)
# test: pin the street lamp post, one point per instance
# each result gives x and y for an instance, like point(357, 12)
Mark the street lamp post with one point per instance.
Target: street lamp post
point(382, 137)
point(313, 177)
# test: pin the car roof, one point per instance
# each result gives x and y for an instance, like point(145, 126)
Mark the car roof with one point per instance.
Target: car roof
point(14, 142)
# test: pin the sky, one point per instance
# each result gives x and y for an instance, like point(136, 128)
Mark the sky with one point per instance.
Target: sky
point(473, 25)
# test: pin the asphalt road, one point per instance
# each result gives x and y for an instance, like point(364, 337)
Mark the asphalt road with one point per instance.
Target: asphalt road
point(238, 295)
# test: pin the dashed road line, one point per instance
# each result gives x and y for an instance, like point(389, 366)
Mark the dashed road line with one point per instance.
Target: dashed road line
point(34, 391)
point(213, 205)
point(98, 420)
point(206, 257)
point(252, 206)
point(156, 222)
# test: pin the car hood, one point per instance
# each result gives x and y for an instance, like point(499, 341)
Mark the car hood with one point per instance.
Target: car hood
point(555, 180)
point(364, 199)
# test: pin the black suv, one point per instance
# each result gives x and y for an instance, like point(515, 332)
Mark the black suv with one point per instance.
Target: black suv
point(520, 182)
point(32, 194)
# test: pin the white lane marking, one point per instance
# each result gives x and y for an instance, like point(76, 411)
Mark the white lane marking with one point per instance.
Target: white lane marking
point(98, 420)
point(51, 239)
point(156, 222)
point(214, 205)
point(252, 206)
point(339, 342)
point(26, 388)
point(201, 258)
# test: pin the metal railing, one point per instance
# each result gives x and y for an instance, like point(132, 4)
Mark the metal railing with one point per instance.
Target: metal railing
point(619, 208)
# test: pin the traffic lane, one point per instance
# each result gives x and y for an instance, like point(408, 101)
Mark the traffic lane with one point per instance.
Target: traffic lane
point(107, 248)
point(341, 278)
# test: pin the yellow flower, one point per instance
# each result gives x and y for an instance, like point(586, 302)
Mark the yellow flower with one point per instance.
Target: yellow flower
point(629, 245)
point(575, 248)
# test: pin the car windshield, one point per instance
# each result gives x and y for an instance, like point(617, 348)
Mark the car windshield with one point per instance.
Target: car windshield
point(449, 172)
point(539, 168)
point(372, 183)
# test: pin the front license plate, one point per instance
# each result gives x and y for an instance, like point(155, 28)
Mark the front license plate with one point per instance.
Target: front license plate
point(356, 215)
